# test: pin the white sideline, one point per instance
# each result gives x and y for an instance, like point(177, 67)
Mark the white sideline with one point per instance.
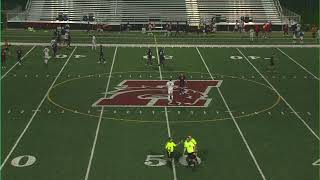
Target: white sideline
point(17, 62)
point(35, 112)
point(166, 112)
point(100, 118)
point(274, 89)
point(298, 64)
point(234, 121)
point(182, 45)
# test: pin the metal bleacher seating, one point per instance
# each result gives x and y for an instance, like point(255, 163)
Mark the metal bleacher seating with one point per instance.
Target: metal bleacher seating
point(144, 11)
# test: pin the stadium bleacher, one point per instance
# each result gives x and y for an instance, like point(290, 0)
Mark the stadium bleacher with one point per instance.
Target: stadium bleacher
point(141, 11)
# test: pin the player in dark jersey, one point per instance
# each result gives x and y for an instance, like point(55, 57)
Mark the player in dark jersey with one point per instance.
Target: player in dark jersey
point(3, 58)
point(101, 57)
point(54, 46)
point(182, 83)
point(271, 65)
point(19, 56)
point(149, 57)
point(161, 57)
point(68, 40)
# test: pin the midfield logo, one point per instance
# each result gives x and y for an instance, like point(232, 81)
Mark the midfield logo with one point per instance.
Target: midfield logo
point(154, 93)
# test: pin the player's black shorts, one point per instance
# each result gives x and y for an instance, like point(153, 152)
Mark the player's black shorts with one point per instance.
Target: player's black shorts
point(271, 63)
point(192, 156)
point(170, 155)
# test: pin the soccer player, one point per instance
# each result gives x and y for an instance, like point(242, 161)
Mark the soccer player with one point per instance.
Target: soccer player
point(94, 44)
point(170, 86)
point(182, 83)
point(68, 40)
point(54, 46)
point(46, 55)
point(170, 149)
point(301, 35)
point(236, 26)
point(257, 30)
point(161, 57)
point(149, 57)
point(251, 34)
point(177, 29)
point(101, 57)
point(190, 148)
point(3, 58)
point(286, 30)
point(19, 56)
point(271, 65)
point(6, 47)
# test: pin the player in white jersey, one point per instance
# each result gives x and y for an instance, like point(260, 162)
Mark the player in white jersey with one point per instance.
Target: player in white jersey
point(46, 55)
point(170, 86)
point(94, 44)
point(251, 32)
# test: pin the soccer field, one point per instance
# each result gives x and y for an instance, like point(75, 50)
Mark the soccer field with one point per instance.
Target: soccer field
point(77, 119)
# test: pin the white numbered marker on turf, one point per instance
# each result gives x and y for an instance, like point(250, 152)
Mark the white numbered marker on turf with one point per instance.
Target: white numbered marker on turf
point(316, 163)
point(254, 57)
point(155, 160)
point(235, 57)
point(23, 161)
point(61, 56)
point(78, 56)
point(146, 57)
point(183, 160)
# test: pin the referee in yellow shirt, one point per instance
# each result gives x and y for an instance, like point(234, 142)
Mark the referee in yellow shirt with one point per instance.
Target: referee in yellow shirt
point(170, 148)
point(190, 146)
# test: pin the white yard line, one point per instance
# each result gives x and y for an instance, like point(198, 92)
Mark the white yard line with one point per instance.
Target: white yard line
point(100, 118)
point(298, 64)
point(35, 112)
point(166, 112)
point(274, 89)
point(182, 45)
point(234, 121)
point(17, 62)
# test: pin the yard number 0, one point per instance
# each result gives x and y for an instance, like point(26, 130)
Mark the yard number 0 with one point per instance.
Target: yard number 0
point(155, 160)
point(17, 162)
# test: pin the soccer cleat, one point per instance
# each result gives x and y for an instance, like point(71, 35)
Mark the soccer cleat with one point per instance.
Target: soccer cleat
point(98, 62)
